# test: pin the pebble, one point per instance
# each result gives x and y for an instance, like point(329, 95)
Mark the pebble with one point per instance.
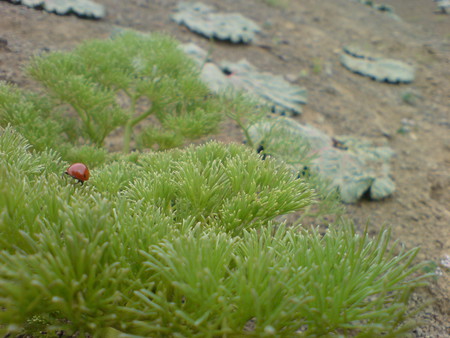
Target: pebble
point(4, 44)
point(292, 77)
point(445, 261)
point(408, 122)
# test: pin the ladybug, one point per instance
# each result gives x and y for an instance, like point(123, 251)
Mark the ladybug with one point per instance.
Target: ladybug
point(78, 171)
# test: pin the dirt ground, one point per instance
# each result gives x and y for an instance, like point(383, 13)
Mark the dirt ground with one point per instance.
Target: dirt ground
point(305, 40)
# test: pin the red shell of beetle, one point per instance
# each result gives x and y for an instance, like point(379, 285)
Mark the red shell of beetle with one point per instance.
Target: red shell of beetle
point(78, 171)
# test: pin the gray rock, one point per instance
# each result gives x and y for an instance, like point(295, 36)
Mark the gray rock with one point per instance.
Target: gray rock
point(377, 68)
point(213, 76)
point(354, 166)
point(84, 8)
point(202, 19)
point(282, 96)
point(198, 54)
point(381, 188)
point(444, 5)
point(286, 97)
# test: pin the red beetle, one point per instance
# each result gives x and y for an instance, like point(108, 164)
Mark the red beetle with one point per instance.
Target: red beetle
point(78, 171)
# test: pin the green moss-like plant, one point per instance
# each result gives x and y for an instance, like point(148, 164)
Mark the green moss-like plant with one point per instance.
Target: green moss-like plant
point(246, 114)
point(31, 115)
point(45, 127)
point(121, 82)
point(185, 243)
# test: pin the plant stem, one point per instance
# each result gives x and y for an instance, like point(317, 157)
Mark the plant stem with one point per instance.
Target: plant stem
point(142, 117)
point(87, 122)
point(127, 136)
point(247, 136)
point(131, 123)
point(245, 130)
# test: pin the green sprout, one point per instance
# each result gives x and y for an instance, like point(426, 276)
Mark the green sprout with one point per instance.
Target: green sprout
point(317, 67)
point(410, 97)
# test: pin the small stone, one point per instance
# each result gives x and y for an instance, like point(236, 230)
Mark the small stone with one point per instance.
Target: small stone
point(292, 77)
point(3, 43)
point(408, 122)
point(445, 261)
point(283, 57)
point(330, 90)
point(289, 25)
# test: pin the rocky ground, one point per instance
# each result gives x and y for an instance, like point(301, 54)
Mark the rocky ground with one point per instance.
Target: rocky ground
point(302, 41)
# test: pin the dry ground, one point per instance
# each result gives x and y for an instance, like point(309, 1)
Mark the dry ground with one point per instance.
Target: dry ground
point(305, 40)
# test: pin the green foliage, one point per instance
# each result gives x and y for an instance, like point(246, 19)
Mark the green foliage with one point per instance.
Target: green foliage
point(32, 116)
point(274, 142)
point(317, 66)
point(185, 242)
point(96, 106)
point(328, 201)
point(134, 66)
point(106, 84)
point(157, 137)
point(410, 97)
point(228, 188)
point(245, 111)
point(92, 156)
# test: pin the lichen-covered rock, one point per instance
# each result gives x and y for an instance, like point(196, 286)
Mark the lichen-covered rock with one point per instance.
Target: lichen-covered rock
point(354, 166)
point(362, 52)
point(203, 19)
point(198, 54)
point(83, 8)
point(444, 5)
point(377, 68)
point(215, 79)
point(272, 88)
point(283, 97)
point(210, 73)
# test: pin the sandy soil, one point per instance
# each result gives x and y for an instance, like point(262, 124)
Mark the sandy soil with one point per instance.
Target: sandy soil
point(305, 40)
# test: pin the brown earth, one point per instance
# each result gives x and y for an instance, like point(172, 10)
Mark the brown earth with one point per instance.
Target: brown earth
point(305, 39)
